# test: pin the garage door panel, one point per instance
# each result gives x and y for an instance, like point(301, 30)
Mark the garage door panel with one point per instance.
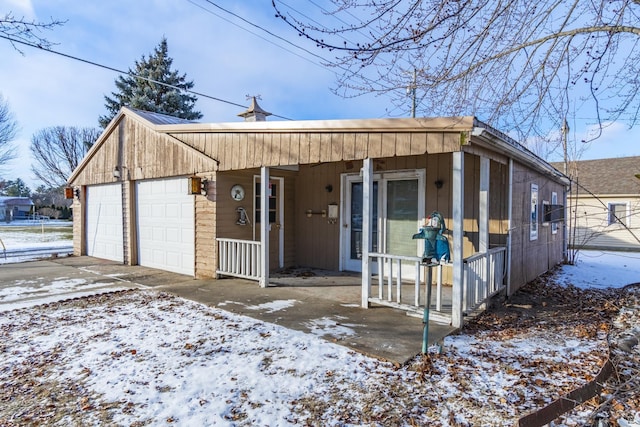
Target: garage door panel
point(173, 211)
point(104, 222)
point(166, 216)
point(173, 236)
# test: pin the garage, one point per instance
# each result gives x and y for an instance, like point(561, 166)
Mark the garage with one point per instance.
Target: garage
point(165, 218)
point(104, 222)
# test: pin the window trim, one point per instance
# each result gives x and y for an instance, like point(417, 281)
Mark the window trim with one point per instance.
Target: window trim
point(534, 213)
point(619, 221)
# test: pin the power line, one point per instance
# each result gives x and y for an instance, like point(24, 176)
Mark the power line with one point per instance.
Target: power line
point(338, 66)
point(369, 36)
point(258, 35)
point(106, 67)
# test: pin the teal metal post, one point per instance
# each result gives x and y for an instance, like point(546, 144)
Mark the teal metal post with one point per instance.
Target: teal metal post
point(427, 306)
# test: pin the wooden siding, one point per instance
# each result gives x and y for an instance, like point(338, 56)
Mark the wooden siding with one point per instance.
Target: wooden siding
point(498, 204)
point(237, 151)
point(318, 242)
point(227, 215)
point(79, 225)
point(129, 234)
point(140, 153)
point(531, 258)
point(206, 248)
point(592, 228)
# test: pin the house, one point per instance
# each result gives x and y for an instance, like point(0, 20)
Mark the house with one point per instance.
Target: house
point(604, 203)
point(220, 199)
point(12, 208)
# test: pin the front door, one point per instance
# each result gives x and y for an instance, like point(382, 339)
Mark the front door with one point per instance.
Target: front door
point(398, 210)
point(276, 219)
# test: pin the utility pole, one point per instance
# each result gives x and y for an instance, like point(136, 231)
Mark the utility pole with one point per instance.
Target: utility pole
point(412, 89)
point(567, 209)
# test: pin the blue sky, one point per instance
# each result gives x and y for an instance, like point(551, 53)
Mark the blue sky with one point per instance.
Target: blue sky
point(225, 57)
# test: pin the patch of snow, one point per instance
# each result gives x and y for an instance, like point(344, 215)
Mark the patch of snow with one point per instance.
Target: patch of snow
point(273, 306)
point(601, 269)
point(328, 326)
point(41, 300)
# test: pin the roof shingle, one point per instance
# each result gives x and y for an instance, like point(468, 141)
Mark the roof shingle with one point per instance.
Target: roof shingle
point(606, 176)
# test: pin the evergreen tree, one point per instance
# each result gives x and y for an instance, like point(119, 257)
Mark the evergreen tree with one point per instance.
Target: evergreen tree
point(153, 86)
point(16, 188)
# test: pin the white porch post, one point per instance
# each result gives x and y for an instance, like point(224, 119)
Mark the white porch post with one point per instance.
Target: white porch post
point(367, 209)
point(264, 226)
point(483, 226)
point(457, 293)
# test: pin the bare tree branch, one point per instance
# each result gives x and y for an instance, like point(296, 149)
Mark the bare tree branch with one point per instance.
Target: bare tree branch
point(521, 66)
point(58, 151)
point(8, 132)
point(26, 31)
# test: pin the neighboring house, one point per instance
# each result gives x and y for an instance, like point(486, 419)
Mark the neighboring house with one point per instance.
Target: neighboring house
point(12, 208)
point(605, 203)
point(134, 205)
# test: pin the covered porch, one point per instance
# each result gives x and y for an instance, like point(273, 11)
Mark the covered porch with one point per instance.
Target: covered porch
point(375, 242)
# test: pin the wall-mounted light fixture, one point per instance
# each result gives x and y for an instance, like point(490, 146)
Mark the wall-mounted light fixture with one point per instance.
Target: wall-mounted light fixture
point(197, 185)
point(70, 193)
point(328, 188)
point(116, 172)
point(438, 183)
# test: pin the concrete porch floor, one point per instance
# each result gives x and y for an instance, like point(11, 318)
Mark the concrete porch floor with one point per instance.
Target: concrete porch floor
point(326, 305)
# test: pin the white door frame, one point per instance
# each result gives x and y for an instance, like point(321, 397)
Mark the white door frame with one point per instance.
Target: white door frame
point(280, 220)
point(345, 213)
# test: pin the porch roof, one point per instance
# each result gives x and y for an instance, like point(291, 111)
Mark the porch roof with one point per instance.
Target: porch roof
point(246, 145)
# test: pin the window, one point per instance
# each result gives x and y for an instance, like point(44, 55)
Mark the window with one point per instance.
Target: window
point(533, 224)
point(545, 217)
point(554, 202)
point(618, 213)
point(272, 203)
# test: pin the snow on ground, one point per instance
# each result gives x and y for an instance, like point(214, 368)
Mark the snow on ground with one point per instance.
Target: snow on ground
point(600, 269)
point(26, 234)
point(154, 359)
point(34, 236)
point(34, 292)
point(146, 358)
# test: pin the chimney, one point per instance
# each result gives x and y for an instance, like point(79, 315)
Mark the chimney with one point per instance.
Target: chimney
point(254, 113)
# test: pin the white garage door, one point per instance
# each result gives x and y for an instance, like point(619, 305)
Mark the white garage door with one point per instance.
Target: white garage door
point(166, 218)
point(104, 222)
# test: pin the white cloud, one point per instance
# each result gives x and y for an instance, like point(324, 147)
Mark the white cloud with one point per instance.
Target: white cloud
point(616, 140)
point(19, 8)
point(224, 61)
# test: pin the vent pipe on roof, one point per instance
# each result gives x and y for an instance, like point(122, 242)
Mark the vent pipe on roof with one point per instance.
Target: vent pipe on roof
point(254, 113)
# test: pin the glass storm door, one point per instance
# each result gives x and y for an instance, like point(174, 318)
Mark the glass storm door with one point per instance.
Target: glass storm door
point(398, 207)
point(353, 226)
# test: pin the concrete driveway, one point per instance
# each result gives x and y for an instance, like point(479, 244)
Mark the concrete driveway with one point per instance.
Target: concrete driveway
point(325, 305)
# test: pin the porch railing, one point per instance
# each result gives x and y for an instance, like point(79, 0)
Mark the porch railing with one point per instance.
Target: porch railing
point(401, 283)
point(484, 275)
point(239, 258)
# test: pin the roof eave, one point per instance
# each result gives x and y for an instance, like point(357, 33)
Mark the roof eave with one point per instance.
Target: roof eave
point(442, 124)
point(518, 152)
point(107, 130)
